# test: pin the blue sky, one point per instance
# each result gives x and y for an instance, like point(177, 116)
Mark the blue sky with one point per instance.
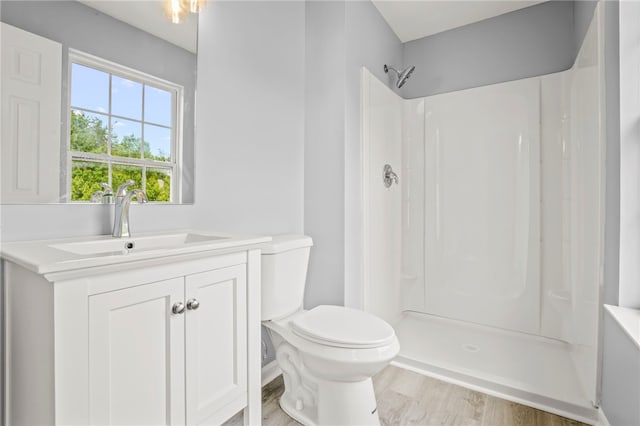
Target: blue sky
point(90, 90)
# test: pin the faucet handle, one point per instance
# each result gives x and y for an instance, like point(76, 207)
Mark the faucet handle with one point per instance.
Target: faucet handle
point(140, 196)
point(97, 197)
point(107, 188)
point(122, 189)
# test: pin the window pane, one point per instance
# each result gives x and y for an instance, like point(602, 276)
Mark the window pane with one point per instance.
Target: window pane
point(157, 143)
point(122, 173)
point(89, 132)
point(158, 184)
point(86, 177)
point(126, 139)
point(89, 88)
point(126, 98)
point(157, 106)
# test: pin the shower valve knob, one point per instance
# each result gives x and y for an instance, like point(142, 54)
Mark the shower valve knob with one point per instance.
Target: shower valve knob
point(388, 176)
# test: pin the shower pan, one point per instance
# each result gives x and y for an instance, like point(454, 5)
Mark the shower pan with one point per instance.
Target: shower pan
point(487, 255)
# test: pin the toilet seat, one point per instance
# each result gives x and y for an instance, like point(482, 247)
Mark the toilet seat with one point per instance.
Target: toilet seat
point(342, 327)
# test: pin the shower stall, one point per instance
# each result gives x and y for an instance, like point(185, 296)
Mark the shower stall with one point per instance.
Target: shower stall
point(486, 255)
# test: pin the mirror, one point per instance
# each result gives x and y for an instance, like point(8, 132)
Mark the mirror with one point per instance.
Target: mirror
point(118, 98)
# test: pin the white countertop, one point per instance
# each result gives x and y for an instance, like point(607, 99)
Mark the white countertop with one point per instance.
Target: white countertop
point(47, 256)
point(629, 320)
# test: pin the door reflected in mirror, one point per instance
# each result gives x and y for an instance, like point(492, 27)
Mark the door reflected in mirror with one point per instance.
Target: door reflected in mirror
point(116, 102)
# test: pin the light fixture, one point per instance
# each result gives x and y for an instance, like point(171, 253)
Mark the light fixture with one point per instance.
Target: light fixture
point(177, 9)
point(174, 10)
point(196, 6)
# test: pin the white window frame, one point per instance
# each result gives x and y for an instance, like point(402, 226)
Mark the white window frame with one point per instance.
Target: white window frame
point(112, 68)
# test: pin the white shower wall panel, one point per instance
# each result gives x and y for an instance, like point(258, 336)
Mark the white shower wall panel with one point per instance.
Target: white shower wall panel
point(381, 144)
point(555, 315)
point(501, 216)
point(586, 207)
point(482, 205)
point(412, 277)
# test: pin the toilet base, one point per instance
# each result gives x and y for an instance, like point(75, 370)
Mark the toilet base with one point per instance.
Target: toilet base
point(338, 403)
point(326, 385)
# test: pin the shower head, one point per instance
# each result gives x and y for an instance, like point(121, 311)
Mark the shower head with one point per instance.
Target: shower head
point(403, 75)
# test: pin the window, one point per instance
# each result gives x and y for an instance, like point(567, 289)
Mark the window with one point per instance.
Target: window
point(124, 125)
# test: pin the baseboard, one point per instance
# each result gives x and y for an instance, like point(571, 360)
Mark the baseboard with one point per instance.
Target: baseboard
point(602, 419)
point(271, 370)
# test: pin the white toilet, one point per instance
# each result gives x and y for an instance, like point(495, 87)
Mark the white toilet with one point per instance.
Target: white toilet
point(327, 354)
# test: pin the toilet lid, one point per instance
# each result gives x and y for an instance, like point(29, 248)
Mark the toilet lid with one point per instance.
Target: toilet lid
point(343, 327)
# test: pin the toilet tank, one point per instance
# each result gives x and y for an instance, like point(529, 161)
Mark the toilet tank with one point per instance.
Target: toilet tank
point(284, 273)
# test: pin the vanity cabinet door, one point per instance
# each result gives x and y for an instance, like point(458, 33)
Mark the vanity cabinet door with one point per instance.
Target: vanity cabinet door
point(136, 356)
point(216, 344)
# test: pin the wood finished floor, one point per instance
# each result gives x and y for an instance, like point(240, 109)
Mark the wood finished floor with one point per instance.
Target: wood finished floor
point(408, 398)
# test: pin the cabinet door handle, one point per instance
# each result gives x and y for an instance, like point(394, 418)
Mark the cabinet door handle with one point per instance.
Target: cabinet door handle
point(193, 304)
point(178, 308)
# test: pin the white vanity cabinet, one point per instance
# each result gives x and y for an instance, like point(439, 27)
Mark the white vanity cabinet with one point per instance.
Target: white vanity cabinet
point(136, 355)
point(144, 357)
point(169, 341)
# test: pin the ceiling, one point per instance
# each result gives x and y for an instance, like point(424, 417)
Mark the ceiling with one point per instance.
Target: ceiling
point(409, 19)
point(414, 19)
point(149, 16)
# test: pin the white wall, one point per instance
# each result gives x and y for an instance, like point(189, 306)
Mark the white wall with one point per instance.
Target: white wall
point(620, 375)
point(250, 117)
point(630, 155)
point(621, 357)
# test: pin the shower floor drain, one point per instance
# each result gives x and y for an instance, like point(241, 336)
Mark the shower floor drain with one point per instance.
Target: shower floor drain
point(470, 348)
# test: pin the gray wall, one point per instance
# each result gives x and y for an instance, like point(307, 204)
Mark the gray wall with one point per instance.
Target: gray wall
point(341, 37)
point(528, 42)
point(324, 163)
point(80, 27)
point(582, 14)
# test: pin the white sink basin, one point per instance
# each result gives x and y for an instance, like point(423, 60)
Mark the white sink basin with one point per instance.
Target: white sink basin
point(132, 245)
point(48, 256)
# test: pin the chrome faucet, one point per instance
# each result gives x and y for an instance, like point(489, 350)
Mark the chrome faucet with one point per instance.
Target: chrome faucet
point(123, 200)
